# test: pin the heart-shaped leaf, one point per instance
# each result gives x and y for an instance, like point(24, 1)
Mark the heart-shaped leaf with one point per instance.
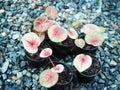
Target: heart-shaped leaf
point(41, 24)
point(58, 68)
point(95, 38)
point(31, 42)
point(72, 33)
point(82, 62)
point(79, 43)
point(57, 34)
point(51, 11)
point(88, 28)
point(47, 52)
point(48, 78)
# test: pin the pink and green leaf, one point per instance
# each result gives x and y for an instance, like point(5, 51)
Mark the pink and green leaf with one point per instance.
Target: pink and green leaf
point(51, 11)
point(89, 28)
point(41, 24)
point(48, 78)
point(95, 39)
point(79, 42)
point(58, 68)
point(72, 33)
point(82, 62)
point(47, 52)
point(31, 42)
point(57, 34)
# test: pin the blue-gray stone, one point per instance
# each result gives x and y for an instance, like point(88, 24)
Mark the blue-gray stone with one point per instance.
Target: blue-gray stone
point(19, 74)
point(118, 77)
point(112, 70)
point(24, 72)
point(22, 64)
point(8, 87)
point(28, 82)
point(109, 44)
point(1, 83)
point(15, 71)
point(106, 65)
point(35, 76)
point(113, 86)
point(2, 20)
point(101, 81)
point(5, 66)
point(4, 76)
point(35, 82)
point(109, 82)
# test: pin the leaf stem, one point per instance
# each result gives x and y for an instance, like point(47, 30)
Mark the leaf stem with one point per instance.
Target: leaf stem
point(51, 61)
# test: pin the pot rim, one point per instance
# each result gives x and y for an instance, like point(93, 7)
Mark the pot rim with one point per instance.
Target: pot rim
point(35, 60)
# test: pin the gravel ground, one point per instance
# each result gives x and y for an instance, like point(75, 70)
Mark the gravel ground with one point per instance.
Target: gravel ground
point(16, 18)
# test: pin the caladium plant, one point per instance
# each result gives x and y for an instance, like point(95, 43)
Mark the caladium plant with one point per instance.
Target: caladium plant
point(51, 11)
point(48, 78)
point(31, 42)
point(47, 52)
point(95, 38)
point(72, 34)
point(79, 42)
point(82, 62)
point(41, 24)
point(57, 34)
point(58, 68)
point(93, 35)
point(88, 28)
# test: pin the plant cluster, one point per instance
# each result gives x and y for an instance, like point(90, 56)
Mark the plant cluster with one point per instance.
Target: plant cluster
point(49, 28)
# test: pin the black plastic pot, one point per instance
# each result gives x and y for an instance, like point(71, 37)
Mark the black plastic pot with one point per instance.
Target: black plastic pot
point(34, 60)
point(61, 50)
point(65, 78)
point(86, 49)
point(89, 74)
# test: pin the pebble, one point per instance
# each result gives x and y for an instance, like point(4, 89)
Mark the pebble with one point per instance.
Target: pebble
point(19, 74)
point(118, 77)
point(24, 72)
point(106, 65)
point(28, 74)
point(2, 11)
point(101, 81)
point(4, 76)
point(15, 71)
point(113, 63)
point(1, 82)
point(79, 16)
point(5, 66)
point(15, 36)
point(35, 76)
point(28, 82)
point(14, 77)
point(3, 33)
point(112, 70)
point(35, 82)
point(103, 76)
point(18, 81)
point(22, 64)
